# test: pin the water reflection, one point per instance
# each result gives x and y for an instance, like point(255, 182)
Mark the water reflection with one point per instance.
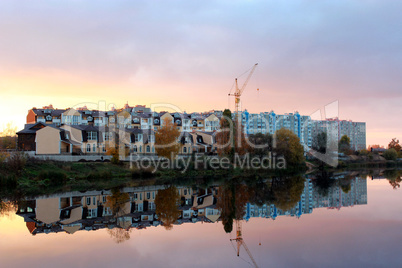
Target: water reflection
point(121, 210)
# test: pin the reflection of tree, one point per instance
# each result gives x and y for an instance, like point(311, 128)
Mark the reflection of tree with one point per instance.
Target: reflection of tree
point(166, 202)
point(226, 206)
point(241, 199)
point(7, 208)
point(323, 182)
point(119, 235)
point(232, 199)
point(394, 178)
point(116, 202)
point(346, 184)
point(260, 193)
point(287, 191)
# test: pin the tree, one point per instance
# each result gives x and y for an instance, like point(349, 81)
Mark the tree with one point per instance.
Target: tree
point(390, 154)
point(8, 138)
point(260, 139)
point(166, 144)
point(166, 202)
point(344, 144)
point(223, 137)
point(320, 142)
point(288, 145)
point(394, 144)
point(231, 138)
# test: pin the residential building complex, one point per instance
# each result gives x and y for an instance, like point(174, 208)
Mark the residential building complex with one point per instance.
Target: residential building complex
point(84, 131)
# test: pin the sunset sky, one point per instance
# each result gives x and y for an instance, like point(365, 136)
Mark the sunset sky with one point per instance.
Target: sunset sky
point(187, 53)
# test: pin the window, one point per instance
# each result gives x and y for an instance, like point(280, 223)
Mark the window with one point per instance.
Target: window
point(151, 138)
point(104, 148)
point(184, 149)
point(92, 213)
point(148, 149)
point(94, 148)
point(153, 195)
point(88, 201)
point(140, 196)
point(75, 119)
point(148, 195)
point(92, 136)
point(138, 137)
point(153, 149)
point(49, 118)
point(140, 148)
point(88, 148)
point(104, 199)
point(135, 196)
point(106, 136)
point(135, 148)
point(185, 192)
point(94, 200)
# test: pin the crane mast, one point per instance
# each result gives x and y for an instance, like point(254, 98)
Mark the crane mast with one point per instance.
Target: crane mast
point(239, 91)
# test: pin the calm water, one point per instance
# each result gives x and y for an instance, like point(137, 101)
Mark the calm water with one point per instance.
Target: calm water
point(353, 222)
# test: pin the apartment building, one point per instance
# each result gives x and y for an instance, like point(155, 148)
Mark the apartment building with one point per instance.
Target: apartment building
point(337, 128)
point(269, 122)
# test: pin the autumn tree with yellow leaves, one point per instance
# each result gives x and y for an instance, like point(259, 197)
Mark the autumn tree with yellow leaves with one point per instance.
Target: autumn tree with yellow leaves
point(166, 140)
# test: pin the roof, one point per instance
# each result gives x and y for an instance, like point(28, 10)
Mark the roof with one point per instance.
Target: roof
point(75, 215)
point(71, 229)
point(54, 112)
point(32, 128)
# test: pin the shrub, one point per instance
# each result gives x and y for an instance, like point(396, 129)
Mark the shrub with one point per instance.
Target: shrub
point(390, 154)
point(54, 177)
point(16, 162)
point(99, 175)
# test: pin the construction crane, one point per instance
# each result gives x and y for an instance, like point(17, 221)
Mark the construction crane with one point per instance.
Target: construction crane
point(239, 91)
point(240, 242)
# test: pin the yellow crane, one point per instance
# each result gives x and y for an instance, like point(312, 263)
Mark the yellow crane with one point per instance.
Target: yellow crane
point(240, 242)
point(239, 91)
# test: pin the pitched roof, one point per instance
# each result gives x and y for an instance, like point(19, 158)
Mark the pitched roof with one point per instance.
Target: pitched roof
point(41, 112)
point(32, 128)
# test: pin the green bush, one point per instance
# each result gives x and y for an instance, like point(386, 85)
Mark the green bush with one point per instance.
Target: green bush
point(99, 175)
point(390, 154)
point(54, 177)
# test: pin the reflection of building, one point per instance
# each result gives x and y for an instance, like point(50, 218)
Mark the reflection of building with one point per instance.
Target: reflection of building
point(91, 210)
point(310, 199)
point(74, 211)
point(337, 198)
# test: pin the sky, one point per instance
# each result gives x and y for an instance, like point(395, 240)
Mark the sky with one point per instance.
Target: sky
point(188, 53)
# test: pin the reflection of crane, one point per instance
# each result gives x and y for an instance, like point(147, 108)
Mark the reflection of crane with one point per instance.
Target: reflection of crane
point(240, 242)
point(239, 91)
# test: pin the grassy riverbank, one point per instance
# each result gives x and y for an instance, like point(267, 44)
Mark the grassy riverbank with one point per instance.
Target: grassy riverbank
point(32, 177)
